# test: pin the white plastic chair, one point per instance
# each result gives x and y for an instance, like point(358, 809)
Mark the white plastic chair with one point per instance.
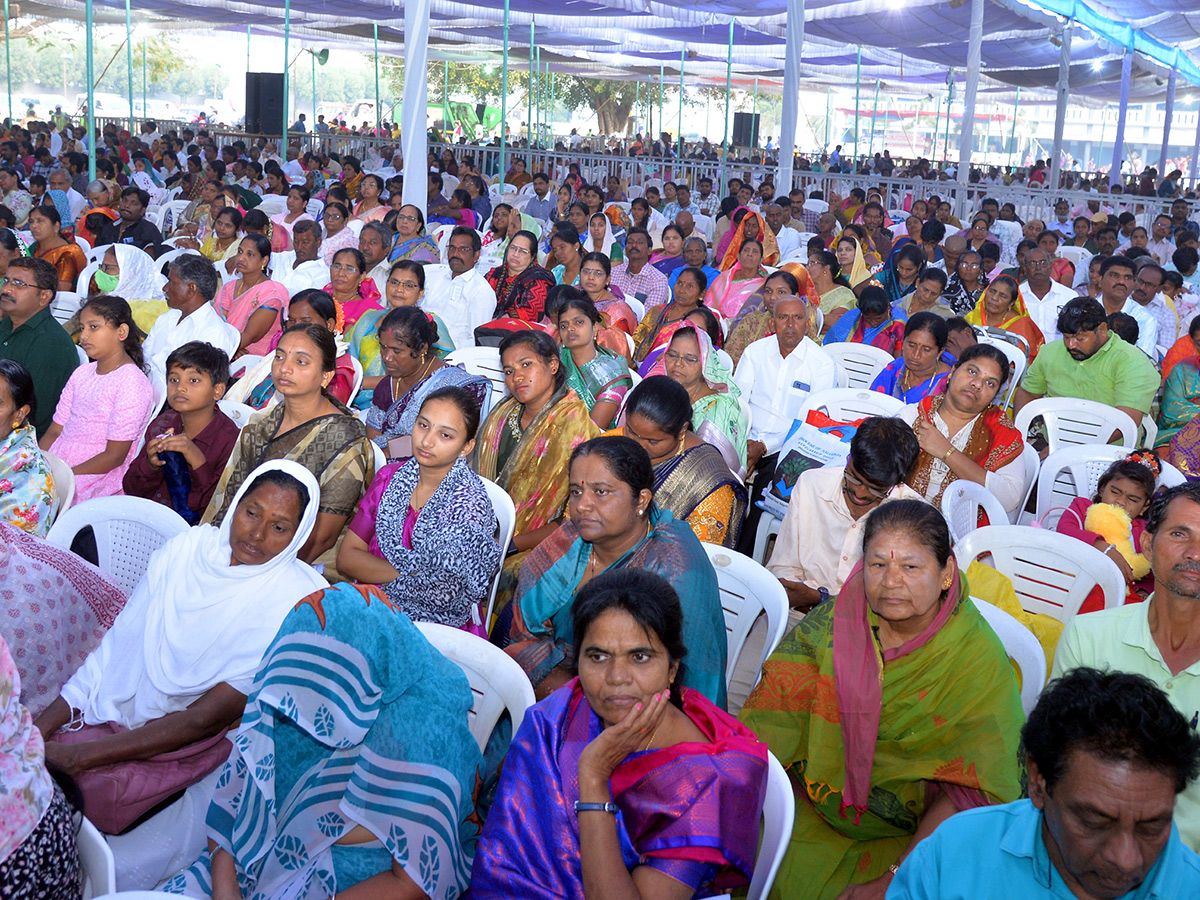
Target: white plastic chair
point(862, 362)
point(358, 377)
point(239, 412)
point(1150, 429)
point(84, 244)
point(747, 589)
point(961, 502)
point(1017, 362)
point(82, 354)
point(1022, 647)
point(96, 861)
point(816, 206)
point(1075, 472)
point(484, 362)
point(96, 254)
point(171, 255)
point(380, 457)
point(1050, 572)
point(638, 307)
point(497, 682)
point(65, 305)
point(1077, 256)
point(128, 530)
point(1071, 420)
point(64, 484)
point(171, 213)
point(848, 404)
point(726, 359)
point(243, 364)
point(506, 516)
point(779, 815)
point(85, 277)
point(1032, 464)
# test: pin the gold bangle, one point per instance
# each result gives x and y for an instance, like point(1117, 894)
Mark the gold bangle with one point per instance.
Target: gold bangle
point(949, 453)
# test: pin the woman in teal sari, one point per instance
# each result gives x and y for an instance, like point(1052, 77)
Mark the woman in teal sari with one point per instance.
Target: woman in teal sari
point(411, 240)
point(1181, 399)
point(596, 374)
point(354, 764)
point(612, 524)
point(873, 322)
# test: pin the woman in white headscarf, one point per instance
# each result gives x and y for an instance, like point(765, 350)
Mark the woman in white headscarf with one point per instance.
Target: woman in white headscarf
point(125, 271)
point(172, 674)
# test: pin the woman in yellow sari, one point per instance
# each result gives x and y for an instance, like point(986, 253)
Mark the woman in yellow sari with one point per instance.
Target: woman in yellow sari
point(1002, 306)
point(747, 225)
point(526, 443)
point(850, 258)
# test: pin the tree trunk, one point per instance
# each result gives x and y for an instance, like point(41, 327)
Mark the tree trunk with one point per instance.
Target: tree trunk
point(613, 116)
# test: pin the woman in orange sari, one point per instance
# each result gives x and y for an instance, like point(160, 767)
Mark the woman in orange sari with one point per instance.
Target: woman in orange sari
point(747, 225)
point(1002, 306)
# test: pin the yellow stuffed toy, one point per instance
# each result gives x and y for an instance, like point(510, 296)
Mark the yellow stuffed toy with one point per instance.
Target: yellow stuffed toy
point(1112, 523)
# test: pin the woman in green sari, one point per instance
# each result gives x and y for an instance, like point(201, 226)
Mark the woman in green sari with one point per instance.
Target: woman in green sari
point(596, 374)
point(892, 708)
point(1181, 399)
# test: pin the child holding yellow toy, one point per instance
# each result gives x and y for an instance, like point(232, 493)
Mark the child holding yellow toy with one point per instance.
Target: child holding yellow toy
point(1113, 522)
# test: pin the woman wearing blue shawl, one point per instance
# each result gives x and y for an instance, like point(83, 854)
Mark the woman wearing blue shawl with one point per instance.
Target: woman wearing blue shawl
point(874, 322)
point(353, 764)
point(902, 271)
point(612, 524)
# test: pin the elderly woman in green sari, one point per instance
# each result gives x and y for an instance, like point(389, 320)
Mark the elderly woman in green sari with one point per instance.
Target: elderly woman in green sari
point(892, 708)
point(1181, 399)
point(595, 373)
point(411, 240)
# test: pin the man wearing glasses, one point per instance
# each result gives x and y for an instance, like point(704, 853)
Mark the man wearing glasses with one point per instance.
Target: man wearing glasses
point(1044, 296)
point(820, 540)
point(458, 293)
point(30, 335)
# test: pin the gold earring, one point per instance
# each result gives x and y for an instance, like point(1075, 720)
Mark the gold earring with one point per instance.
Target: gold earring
point(946, 586)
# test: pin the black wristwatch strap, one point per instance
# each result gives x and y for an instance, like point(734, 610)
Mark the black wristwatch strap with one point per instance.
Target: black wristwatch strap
point(609, 807)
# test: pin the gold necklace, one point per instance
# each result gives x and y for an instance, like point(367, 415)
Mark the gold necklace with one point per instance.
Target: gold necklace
point(653, 735)
point(396, 382)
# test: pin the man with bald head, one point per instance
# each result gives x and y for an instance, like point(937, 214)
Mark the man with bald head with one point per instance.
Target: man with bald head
point(1044, 297)
point(788, 239)
point(686, 223)
point(954, 247)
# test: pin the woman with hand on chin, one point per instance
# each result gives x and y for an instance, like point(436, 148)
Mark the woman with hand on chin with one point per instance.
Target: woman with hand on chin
point(644, 788)
point(253, 303)
point(425, 529)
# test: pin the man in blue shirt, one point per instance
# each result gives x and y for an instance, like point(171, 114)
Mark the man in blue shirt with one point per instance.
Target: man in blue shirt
point(1106, 753)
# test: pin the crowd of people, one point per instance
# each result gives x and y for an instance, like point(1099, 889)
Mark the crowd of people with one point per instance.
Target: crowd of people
point(264, 716)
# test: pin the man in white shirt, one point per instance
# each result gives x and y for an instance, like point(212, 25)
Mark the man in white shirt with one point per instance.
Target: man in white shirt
point(820, 539)
point(1160, 244)
point(1116, 285)
point(776, 374)
point(1062, 224)
point(60, 180)
point(375, 243)
point(788, 239)
point(456, 292)
point(192, 283)
point(302, 267)
point(1044, 296)
point(1147, 285)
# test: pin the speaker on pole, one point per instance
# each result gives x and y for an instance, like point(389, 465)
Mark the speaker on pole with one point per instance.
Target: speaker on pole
point(264, 103)
point(745, 129)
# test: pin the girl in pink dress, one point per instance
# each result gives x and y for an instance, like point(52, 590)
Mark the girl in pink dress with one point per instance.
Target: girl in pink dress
point(252, 303)
point(106, 404)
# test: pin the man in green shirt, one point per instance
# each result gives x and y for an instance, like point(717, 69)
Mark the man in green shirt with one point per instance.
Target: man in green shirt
point(30, 335)
point(1090, 363)
point(1161, 637)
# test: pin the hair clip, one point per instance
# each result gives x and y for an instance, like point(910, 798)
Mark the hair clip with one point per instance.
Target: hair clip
point(1148, 459)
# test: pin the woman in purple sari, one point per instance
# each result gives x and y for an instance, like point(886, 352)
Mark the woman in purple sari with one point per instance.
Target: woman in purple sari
point(587, 799)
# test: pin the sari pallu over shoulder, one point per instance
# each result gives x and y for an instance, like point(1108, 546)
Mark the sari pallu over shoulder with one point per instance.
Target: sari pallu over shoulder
point(869, 736)
point(685, 482)
point(690, 811)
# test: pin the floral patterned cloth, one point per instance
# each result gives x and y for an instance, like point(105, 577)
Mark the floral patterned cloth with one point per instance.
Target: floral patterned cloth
point(25, 786)
point(26, 484)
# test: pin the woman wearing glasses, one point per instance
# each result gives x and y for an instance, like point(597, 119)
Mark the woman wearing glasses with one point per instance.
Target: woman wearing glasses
point(337, 235)
point(412, 243)
point(350, 286)
point(520, 283)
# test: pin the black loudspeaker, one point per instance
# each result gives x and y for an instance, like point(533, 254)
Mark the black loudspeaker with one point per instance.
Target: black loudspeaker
point(745, 129)
point(264, 102)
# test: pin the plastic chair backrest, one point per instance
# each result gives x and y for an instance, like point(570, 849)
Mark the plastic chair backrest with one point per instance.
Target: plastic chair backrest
point(638, 307)
point(497, 682)
point(358, 376)
point(747, 589)
point(171, 255)
point(779, 815)
point(1017, 363)
point(1022, 648)
point(862, 362)
point(506, 517)
point(1051, 573)
point(1075, 472)
point(96, 862)
point(961, 502)
point(484, 362)
point(85, 277)
point(848, 404)
point(128, 531)
point(239, 412)
point(64, 484)
point(1032, 464)
point(96, 254)
point(380, 457)
point(65, 305)
point(1072, 420)
point(1074, 255)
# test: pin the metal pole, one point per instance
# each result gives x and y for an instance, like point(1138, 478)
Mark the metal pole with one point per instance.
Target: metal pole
point(145, 107)
point(637, 102)
point(874, 107)
point(1114, 175)
point(1168, 116)
point(1013, 140)
point(1103, 128)
point(91, 91)
point(754, 130)
point(504, 98)
point(987, 137)
point(538, 96)
point(966, 134)
point(446, 96)
point(529, 115)
point(827, 113)
point(129, 64)
point(550, 112)
point(247, 47)
point(949, 104)
point(378, 104)
point(1192, 170)
point(662, 123)
point(313, 58)
point(287, 36)
point(8, 64)
point(679, 142)
point(1060, 110)
point(857, 90)
point(728, 86)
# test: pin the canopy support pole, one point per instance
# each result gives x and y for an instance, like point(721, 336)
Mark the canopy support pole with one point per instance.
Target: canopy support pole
point(637, 104)
point(529, 113)
point(1169, 115)
point(1012, 141)
point(679, 128)
point(313, 59)
point(966, 138)
point(828, 92)
point(378, 104)
point(1193, 175)
point(1114, 174)
point(91, 89)
point(8, 64)
point(287, 34)
point(129, 65)
point(857, 92)
point(247, 46)
point(446, 97)
point(662, 123)
point(538, 95)
point(503, 104)
point(754, 128)
point(145, 107)
point(550, 112)
point(728, 88)
point(949, 105)
point(874, 109)
point(789, 113)
point(1103, 128)
point(414, 131)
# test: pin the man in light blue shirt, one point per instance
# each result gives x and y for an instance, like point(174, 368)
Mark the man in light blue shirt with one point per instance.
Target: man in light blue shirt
point(1107, 753)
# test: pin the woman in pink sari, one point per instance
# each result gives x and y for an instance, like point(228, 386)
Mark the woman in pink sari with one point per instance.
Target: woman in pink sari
point(282, 224)
point(252, 302)
point(729, 292)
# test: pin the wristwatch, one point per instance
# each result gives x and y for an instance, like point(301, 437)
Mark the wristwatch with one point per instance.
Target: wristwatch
point(609, 807)
point(823, 593)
